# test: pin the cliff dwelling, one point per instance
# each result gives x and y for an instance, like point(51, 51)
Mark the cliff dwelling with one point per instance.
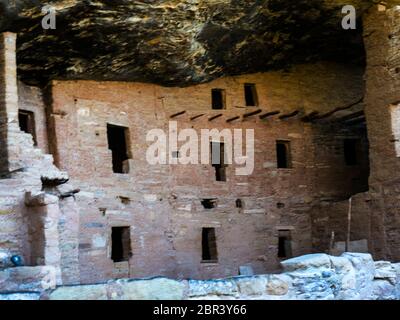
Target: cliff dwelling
point(314, 108)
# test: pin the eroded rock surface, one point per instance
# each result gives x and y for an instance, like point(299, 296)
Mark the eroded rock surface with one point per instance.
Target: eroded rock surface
point(352, 276)
point(177, 42)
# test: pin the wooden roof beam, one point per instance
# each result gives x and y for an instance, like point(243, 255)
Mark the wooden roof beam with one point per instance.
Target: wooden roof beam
point(177, 114)
point(269, 114)
point(350, 116)
point(215, 117)
point(328, 114)
point(289, 115)
point(252, 113)
point(233, 119)
point(196, 117)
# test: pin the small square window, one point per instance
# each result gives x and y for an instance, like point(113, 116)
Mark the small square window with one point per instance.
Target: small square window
point(209, 203)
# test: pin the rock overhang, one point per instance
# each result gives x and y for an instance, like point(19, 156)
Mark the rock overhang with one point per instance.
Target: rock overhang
point(177, 43)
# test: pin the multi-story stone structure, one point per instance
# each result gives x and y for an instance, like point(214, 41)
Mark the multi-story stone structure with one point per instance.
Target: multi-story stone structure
point(101, 211)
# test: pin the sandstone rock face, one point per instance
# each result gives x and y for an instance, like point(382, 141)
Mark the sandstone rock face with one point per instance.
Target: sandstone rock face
point(364, 269)
point(153, 289)
point(385, 285)
point(176, 42)
point(20, 296)
point(200, 288)
point(352, 276)
point(27, 279)
point(318, 260)
point(252, 286)
point(89, 292)
point(5, 257)
point(278, 285)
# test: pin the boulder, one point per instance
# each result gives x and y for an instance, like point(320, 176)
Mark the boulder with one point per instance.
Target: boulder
point(27, 279)
point(346, 277)
point(278, 285)
point(80, 292)
point(396, 267)
point(383, 290)
point(364, 268)
point(152, 289)
point(5, 259)
point(19, 296)
point(384, 270)
point(306, 262)
point(223, 287)
point(252, 286)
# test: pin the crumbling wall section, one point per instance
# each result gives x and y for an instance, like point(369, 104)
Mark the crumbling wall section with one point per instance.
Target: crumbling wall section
point(31, 99)
point(29, 214)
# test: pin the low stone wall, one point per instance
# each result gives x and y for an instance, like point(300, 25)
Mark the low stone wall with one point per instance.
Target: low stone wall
point(352, 276)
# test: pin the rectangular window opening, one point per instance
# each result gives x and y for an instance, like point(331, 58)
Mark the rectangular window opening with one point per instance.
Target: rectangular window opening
point(118, 142)
point(220, 173)
point(26, 121)
point(351, 147)
point(209, 203)
point(218, 160)
point(284, 244)
point(120, 244)
point(218, 99)
point(283, 154)
point(175, 154)
point(209, 245)
point(250, 94)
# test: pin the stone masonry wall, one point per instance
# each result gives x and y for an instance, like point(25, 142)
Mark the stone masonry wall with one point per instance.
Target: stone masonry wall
point(8, 102)
point(29, 215)
point(162, 204)
point(382, 39)
point(376, 213)
point(31, 99)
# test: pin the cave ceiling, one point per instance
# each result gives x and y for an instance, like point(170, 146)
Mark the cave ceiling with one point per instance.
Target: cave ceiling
point(177, 43)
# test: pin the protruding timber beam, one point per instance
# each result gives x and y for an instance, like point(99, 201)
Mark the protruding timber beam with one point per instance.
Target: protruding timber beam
point(215, 117)
point(177, 114)
point(269, 114)
point(350, 116)
point(289, 115)
point(233, 119)
point(252, 113)
point(196, 117)
point(359, 120)
point(309, 117)
point(328, 114)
